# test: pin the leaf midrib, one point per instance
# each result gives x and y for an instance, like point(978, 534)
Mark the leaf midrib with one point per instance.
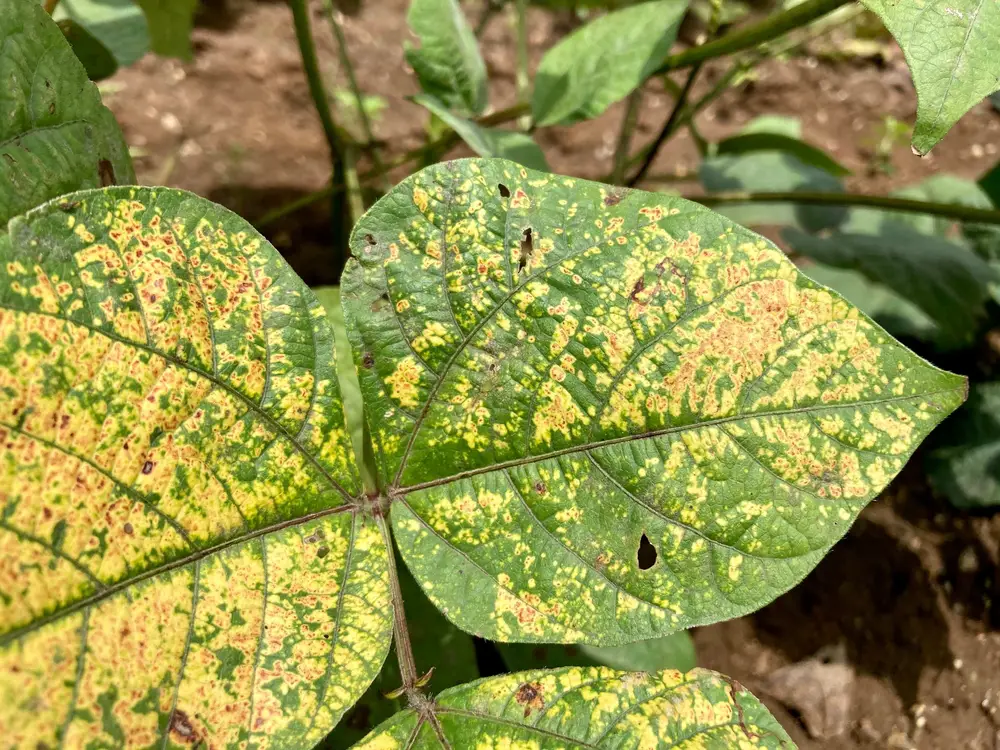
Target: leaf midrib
point(257, 409)
point(527, 460)
point(99, 596)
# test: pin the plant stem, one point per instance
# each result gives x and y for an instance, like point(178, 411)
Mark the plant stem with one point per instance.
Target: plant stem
point(671, 125)
point(629, 120)
point(501, 116)
point(947, 210)
point(404, 649)
point(310, 64)
point(770, 28)
point(348, 66)
point(355, 199)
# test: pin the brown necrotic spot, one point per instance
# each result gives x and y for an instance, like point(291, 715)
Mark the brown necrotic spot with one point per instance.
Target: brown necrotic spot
point(640, 284)
point(504, 190)
point(613, 198)
point(540, 487)
point(181, 726)
point(368, 360)
point(370, 240)
point(106, 172)
point(322, 552)
point(529, 695)
point(147, 468)
point(128, 529)
point(646, 555)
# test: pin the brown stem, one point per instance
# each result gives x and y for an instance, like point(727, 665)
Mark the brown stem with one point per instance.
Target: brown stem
point(404, 648)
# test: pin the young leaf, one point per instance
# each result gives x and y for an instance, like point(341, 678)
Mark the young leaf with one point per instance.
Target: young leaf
point(674, 651)
point(964, 463)
point(118, 24)
point(55, 135)
point(170, 23)
point(947, 281)
point(612, 414)
point(507, 144)
point(448, 64)
point(950, 46)
point(604, 61)
point(184, 559)
point(578, 707)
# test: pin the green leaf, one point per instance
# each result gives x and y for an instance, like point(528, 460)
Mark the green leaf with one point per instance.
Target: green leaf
point(579, 707)
point(810, 155)
point(118, 24)
point(604, 61)
point(185, 556)
point(96, 58)
point(170, 23)
point(436, 642)
point(55, 135)
point(507, 144)
point(965, 461)
point(674, 651)
point(947, 281)
point(566, 373)
point(950, 46)
point(773, 170)
point(895, 313)
point(990, 183)
point(448, 63)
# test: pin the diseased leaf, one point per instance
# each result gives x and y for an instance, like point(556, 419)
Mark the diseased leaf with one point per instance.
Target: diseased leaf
point(964, 462)
point(448, 63)
point(55, 135)
point(436, 643)
point(747, 143)
point(170, 23)
point(578, 707)
point(612, 414)
point(950, 46)
point(773, 170)
point(674, 651)
point(182, 558)
point(893, 312)
point(944, 279)
point(508, 144)
point(604, 61)
point(118, 24)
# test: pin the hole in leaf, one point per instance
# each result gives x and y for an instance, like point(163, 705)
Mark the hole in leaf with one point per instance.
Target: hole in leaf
point(504, 190)
point(646, 555)
point(370, 240)
point(527, 248)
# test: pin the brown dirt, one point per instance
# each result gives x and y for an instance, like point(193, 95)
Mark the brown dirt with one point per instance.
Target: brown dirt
point(908, 595)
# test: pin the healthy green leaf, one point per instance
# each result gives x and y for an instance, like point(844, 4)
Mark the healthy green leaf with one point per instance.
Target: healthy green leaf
point(990, 183)
point(674, 651)
point(579, 707)
point(118, 24)
point(951, 48)
point(507, 144)
point(170, 23)
point(448, 63)
point(947, 281)
point(183, 556)
point(604, 61)
point(965, 461)
point(746, 143)
point(436, 643)
point(564, 378)
point(55, 135)
point(773, 170)
point(96, 58)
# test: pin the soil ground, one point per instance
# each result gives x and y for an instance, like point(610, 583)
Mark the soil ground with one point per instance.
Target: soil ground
point(909, 597)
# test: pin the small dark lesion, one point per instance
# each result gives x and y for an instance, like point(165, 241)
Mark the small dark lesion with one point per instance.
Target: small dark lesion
point(504, 190)
point(646, 554)
point(527, 249)
point(106, 171)
point(529, 695)
point(368, 360)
